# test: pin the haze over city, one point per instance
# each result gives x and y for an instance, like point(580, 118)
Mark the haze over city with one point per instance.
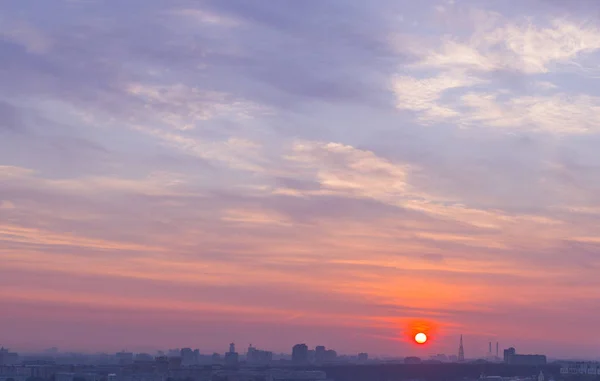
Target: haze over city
point(340, 173)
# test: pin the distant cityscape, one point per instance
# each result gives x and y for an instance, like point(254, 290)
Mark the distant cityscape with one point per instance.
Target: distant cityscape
point(302, 364)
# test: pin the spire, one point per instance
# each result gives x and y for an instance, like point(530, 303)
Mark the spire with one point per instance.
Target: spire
point(461, 351)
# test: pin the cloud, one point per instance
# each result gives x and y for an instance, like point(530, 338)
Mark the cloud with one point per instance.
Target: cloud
point(423, 95)
point(182, 107)
point(517, 45)
point(472, 69)
point(342, 168)
point(559, 113)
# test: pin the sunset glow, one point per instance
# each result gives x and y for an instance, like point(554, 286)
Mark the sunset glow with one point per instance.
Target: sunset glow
point(351, 174)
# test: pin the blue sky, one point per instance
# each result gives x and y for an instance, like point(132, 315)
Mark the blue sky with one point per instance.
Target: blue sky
point(311, 171)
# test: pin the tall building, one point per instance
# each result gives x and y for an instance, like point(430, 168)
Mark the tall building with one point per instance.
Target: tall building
point(508, 353)
point(330, 355)
point(461, 351)
point(189, 357)
point(300, 354)
point(320, 354)
point(231, 357)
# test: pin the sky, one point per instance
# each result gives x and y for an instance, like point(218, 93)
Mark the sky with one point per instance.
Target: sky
point(331, 172)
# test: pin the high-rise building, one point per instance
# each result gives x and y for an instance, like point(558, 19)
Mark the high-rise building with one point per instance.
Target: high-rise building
point(330, 356)
point(363, 357)
point(189, 357)
point(508, 353)
point(461, 351)
point(231, 357)
point(300, 354)
point(320, 354)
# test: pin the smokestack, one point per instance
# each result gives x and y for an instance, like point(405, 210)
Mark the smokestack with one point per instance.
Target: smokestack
point(496, 349)
point(490, 349)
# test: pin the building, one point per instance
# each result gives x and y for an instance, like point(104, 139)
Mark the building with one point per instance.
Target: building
point(512, 358)
point(320, 354)
point(412, 360)
point(124, 358)
point(363, 357)
point(440, 357)
point(300, 354)
point(189, 357)
point(7, 357)
point(580, 367)
point(296, 375)
point(16, 373)
point(258, 357)
point(144, 357)
point(330, 356)
point(231, 357)
point(508, 353)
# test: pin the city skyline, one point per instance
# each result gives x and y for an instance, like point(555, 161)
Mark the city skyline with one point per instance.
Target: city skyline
point(300, 353)
point(334, 172)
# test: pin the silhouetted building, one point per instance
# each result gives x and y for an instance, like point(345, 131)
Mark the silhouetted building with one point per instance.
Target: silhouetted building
point(143, 357)
point(231, 357)
point(296, 375)
point(412, 360)
point(330, 355)
point(311, 356)
point(440, 357)
point(508, 353)
point(124, 358)
point(512, 358)
point(189, 357)
point(320, 354)
point(300, 354)
point(7, 357)
point(258, 357)
point(363, 357)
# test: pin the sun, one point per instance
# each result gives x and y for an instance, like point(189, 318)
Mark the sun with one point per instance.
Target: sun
point(420, 338)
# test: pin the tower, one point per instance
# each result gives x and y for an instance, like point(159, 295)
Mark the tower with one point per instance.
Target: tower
point(490, 349)
point(461, 351)
point(496, 349)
